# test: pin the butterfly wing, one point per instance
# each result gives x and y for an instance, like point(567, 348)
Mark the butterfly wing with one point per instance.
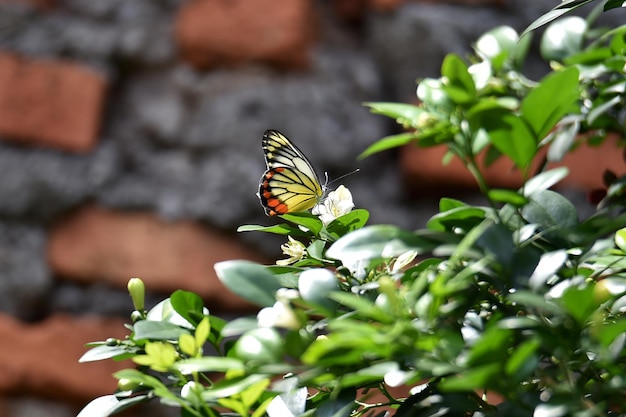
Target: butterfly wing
point(290, 183)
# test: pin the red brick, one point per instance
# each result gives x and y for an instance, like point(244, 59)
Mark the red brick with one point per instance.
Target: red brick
point(423, 167)
point(42, 358)
point(213, 33)
point(95, 244)
point(50, 103)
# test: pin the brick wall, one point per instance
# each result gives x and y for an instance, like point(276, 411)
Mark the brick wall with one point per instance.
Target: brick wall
point(130, 146)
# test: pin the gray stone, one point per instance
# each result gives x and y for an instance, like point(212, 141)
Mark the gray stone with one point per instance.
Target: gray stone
point(153, 107)
point(148, 43)
point(39, 184)
point(27, 31)
point(82, 38)
point(114, 10)
point(95, 299)
point(411, 42)
point(24, 275)
point(37, 407)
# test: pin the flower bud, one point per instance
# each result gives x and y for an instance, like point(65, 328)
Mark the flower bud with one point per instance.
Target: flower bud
point(125, 384)
point(188, 391)
point(137, 291)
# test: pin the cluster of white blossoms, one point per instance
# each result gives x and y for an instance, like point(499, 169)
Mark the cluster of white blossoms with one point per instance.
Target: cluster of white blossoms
point(281, 314)
point(338, 203)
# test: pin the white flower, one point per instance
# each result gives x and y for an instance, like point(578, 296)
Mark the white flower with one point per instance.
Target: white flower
point(403, 260)
point(189, 391)
point(338, 203)
point(294, 249)
point(357, 267)
point(279, 315)
point(287, 294)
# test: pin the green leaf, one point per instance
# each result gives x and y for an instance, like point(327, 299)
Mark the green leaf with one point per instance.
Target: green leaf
point(349, 222)
point(564, 137)
point(491, 347)
point(404, 114)
point(613, 4)
point(551, 211)
point(465, 217)
point(498, 240)
point(507, 197)
point(164, 311)
point(377, 241)
point(278, 229)
point(306, 220)
point(446, 204)
point(216, 325)
point(602, 109)
point(239, 326)
point(251, 394)
point(249, 280)
point(229, 387)
point(263, 409)
point(579, 302)
point(534, 301)
point(549, 101)
point(544, 181)
point(559, 10)
point(108, 405)
point(509, 134)
point(365, 307)
point(607, 332)
point(473, 379)
point(147, 380)
point(596, 227)
point(388, 142)
point(203, 330)
point(457, 81)
point(187, 345)
point(338, 405)
point(157, 330)
point(102, 352)
point(523, 361)
point(208, 364)
point(549, 264)
point(316, 252)
point(189, 305)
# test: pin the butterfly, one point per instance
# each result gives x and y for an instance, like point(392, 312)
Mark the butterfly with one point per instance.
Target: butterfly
point(290, 182)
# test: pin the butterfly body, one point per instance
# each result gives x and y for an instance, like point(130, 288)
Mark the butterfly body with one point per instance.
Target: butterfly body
point(290, 183)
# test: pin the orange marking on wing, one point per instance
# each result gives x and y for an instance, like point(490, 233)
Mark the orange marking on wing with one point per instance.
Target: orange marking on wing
point(273, 202)
point(281, 209)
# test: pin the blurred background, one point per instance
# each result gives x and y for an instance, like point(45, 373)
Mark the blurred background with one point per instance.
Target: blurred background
point(130, 145)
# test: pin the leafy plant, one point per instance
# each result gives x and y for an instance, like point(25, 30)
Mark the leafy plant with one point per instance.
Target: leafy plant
point(511, 309)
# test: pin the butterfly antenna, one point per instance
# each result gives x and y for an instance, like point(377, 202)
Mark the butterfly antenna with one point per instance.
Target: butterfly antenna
point(338, 178)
